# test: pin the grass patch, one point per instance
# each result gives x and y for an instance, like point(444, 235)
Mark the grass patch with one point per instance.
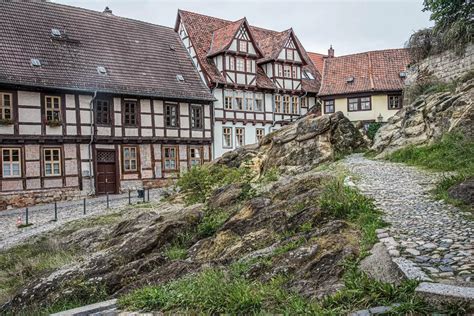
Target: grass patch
point(220, 291)
point(176, 252)
point(292, 245)
point(216, 291)
point(93, 221)
point(212, 220)
point(20, 264)
point(347, 203)
point(452, 153)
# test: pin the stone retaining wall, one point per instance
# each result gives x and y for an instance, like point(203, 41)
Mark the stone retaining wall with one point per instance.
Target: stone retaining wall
point(446, 66)
point(21, 199)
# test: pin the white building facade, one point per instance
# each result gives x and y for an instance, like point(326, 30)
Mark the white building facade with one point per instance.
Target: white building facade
point(261, 79)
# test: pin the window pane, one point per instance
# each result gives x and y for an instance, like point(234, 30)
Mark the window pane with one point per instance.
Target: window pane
point(16, 169)
point(6, 155)
point(56, 168)
point(133, 164)
point(15, 155)
point(6, 170)
point(47, 169)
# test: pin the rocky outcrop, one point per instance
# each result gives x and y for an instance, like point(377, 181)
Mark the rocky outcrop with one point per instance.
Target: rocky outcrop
point(463, 191)
point(427, 119)
point(299, 146)
point(282, 224)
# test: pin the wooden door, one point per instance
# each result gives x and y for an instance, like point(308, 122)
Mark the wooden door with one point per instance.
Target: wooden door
point(106, 172)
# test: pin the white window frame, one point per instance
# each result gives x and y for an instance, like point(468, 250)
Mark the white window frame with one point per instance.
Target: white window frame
point(259, 134)
point(130, 155)
point(11, 163)
point(224, 135)
point(52, 162)
point(239, 137)
point(170, 163)
point(4, 109)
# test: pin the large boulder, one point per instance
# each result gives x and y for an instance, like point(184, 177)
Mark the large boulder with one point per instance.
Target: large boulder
point(427, 119)
point(301, 145)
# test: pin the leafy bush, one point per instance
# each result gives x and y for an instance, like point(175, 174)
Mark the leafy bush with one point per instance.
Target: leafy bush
point(372, 130)
point(199, 182)
point(428, 85)
point(453, 29)
point(211, 222)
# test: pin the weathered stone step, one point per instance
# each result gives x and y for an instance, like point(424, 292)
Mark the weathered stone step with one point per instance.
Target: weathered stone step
point(101, 308)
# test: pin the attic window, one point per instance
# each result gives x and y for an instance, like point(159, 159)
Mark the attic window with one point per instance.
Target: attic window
point(180, 78)
point(101, 70)
point(55, 33)
point(35, 62)
point(308, 75)
point(172, 48)
point(350, 80)
point(403, 74)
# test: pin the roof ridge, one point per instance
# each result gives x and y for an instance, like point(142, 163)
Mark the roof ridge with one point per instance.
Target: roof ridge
point(371, 51)
point(86, 10)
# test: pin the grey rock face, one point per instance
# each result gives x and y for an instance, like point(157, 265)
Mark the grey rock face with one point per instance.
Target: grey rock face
point(427, 119)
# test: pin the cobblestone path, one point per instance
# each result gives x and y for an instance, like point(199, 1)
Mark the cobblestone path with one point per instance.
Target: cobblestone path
point(41, 216)
point(435, 236)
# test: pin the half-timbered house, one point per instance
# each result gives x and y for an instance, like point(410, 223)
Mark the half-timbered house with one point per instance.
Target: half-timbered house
point(261, 79)
point(92, 103)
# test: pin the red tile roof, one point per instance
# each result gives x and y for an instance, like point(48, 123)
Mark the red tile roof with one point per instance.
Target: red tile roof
point(372, 71)
point(210, 35)
point(222, 38)
point(317, 60)
point(140, 58)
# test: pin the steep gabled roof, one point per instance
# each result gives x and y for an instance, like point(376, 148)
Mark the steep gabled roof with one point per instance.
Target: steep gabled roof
point(372, 71)
point(222, 38)
point(205, 30)
point(140, 58)
point(317, 60)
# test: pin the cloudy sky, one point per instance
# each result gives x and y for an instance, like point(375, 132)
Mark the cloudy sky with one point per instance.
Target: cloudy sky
point(351, 26)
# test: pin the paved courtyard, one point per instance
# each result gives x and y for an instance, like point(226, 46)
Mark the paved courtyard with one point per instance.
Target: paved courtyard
point(435, 236)
point(42, 216)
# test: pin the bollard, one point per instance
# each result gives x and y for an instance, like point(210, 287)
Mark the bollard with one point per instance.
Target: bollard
point(144, 197)
point(107, 199)
point(84, 206)
point(129, 198)
point(26, 218)
point(55, 212)
point(148, 195)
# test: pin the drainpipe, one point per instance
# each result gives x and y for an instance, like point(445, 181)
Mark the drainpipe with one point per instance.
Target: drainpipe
point(213, 123)
point(91, 112)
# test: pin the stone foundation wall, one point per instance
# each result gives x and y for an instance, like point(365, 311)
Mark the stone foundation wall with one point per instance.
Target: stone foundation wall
point(28, 198)
point(446, 66)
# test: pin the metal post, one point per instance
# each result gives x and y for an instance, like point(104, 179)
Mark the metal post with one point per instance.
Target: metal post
point(107, 200)
point(55, 211)
point(144, 197)
point(129, 198)
point(84, 206)
point(148, 195)
point(26, 219)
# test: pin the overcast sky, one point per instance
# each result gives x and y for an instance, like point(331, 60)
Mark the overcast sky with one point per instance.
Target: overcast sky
point(351, 26)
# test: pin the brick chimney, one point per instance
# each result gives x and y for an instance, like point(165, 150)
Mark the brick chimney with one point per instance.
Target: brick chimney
point(331, 52)
point(107, 11)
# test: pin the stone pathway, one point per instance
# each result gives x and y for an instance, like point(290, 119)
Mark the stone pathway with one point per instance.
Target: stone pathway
point(41, 216)
point(434, 236)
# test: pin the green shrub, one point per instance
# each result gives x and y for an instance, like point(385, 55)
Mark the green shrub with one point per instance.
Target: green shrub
point(211, 222)
point(372, 130)
point(199, 182)
point(176, 252)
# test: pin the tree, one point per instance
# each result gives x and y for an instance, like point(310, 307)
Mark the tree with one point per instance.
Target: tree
point(453, 21)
